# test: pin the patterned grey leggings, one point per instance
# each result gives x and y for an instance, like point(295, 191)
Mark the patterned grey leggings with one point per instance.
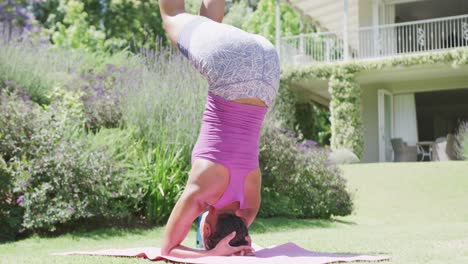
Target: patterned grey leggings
point(236, 64)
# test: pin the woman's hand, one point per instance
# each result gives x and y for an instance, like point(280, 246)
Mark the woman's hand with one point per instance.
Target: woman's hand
point(224, 249)
point(247, 253)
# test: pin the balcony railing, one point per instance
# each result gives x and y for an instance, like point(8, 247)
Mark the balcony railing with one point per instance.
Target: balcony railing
point(378, 42)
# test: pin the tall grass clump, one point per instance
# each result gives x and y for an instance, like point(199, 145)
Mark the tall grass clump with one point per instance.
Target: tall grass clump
point(167, 171)
point(157, 173)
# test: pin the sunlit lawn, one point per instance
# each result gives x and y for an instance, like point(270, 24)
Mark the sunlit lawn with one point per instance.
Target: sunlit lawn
point(415, 212)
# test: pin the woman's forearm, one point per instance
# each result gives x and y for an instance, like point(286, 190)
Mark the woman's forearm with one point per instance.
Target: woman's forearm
point(213, 9)
point(186, 252)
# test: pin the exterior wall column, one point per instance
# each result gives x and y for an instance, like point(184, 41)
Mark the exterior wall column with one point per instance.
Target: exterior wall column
point(278, 28)
point(375, 24)
point(345, 30)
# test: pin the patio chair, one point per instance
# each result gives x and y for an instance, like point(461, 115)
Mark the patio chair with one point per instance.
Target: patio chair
point(403, 152)
point(439, 149)
point(423, 152)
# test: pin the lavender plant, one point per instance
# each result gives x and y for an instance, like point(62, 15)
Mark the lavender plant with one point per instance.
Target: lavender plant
point(17, 18)
point(164, 101)
point(102, 98)
point(165, 98)
point(38, 69)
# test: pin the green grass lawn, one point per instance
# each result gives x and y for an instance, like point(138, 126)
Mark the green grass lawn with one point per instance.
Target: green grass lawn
point(415, 212)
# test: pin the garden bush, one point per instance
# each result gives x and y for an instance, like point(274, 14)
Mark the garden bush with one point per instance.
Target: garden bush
point(17, 116)
point(56, 178)
point(297, 180)
point(10, 212)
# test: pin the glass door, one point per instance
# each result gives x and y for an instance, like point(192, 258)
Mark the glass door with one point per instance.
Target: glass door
point(385, 104)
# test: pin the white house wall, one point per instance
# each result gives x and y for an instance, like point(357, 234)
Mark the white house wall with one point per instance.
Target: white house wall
point(444, 78)
point(365, 13)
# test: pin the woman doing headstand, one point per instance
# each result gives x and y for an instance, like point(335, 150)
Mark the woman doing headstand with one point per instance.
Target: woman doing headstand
point(242, 70)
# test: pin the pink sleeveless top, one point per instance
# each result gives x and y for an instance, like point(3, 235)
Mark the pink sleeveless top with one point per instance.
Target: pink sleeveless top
point(230, 136)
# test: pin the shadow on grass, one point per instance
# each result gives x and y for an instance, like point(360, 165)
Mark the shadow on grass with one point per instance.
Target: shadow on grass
point(97, 229)
point(107, 233)
point(101, 230)
point(263, 225)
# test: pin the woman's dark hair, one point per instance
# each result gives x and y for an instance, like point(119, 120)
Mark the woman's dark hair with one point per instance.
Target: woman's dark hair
point(228, 223)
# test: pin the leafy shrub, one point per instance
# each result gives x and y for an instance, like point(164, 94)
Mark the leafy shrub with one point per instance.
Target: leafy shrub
point(10, 212)
point(304, 118)
point(297, 177)
point(64, 183)
point(131, 24)
point(17, 116)
point(56, 178)
point(313, 122)
point(134, 157)
point(345, 107)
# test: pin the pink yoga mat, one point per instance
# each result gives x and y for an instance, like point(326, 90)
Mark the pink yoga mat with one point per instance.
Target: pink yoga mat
point(286, 253)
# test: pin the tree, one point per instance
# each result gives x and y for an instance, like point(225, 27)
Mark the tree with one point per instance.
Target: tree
point(75, 31)
point(262, 21)
point(124, 23)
